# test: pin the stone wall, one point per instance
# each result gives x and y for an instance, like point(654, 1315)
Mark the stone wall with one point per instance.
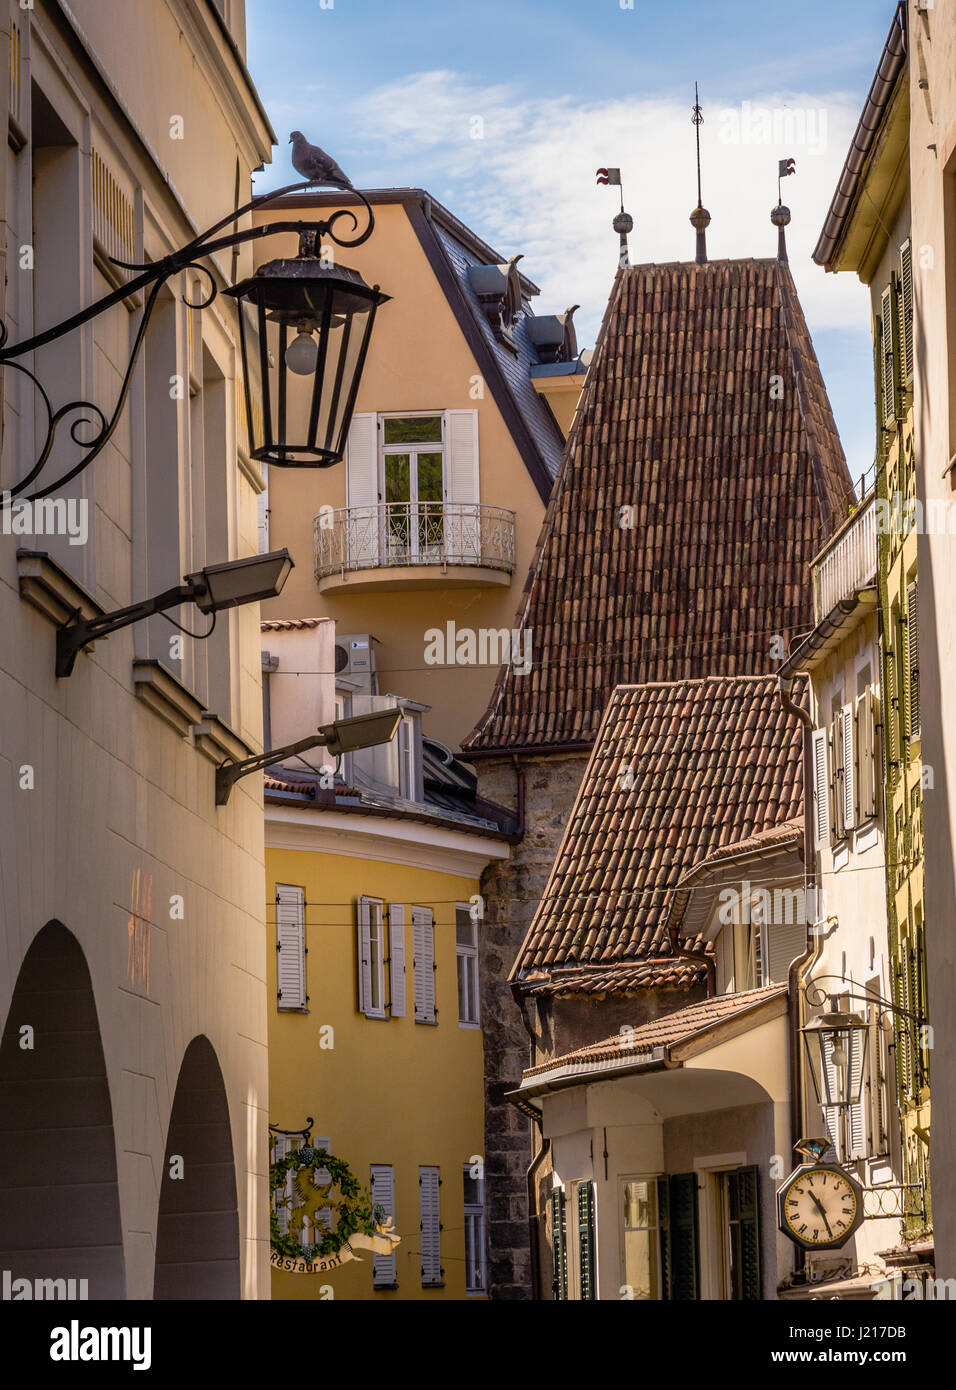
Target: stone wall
point(512, 891)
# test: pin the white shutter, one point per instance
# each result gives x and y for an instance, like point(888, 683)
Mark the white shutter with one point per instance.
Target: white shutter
point(383, 1195)
point(430, 1209)
point(396, 954)
point(262, 509)
point(821, 791)
point(462, 487)
point(849, 767)
point(290, 947)
point(856, 1113)
point(364, 955)
point(866, 754)
point(423, 952)
point(362, 499)
point(785, 941)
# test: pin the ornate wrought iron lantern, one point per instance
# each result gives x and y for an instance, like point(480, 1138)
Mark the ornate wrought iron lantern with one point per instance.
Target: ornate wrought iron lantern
point(836, 1051)
point(320, 314)
point(305, 326)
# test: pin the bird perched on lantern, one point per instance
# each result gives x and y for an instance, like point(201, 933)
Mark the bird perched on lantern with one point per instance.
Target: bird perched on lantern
point(315, 165)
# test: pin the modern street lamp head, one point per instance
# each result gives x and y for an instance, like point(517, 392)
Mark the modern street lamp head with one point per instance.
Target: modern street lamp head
point(240, 581)
point(321, 316)
point(836, 1051)
point(361, 731)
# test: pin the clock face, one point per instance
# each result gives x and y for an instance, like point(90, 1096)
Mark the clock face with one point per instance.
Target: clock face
point(820, 1206)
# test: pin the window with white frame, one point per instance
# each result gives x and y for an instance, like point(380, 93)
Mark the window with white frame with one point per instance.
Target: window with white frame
point(476, 1278)
point(466, 948)
point(640, 1244)
point(370, 943)
point(429, 1190)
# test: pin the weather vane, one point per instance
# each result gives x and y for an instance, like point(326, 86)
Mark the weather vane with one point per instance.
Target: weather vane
point(700, 217)
point(623, 222)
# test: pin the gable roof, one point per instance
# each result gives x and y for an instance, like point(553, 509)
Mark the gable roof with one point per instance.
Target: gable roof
point(731, 491)
point(451, 248)
point(678, 772)
point(685, 1031)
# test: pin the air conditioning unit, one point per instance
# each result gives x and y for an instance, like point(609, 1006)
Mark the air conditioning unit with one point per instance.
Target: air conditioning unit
point(355, 663)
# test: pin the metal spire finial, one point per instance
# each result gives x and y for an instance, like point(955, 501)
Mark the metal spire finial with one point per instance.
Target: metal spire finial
point(700, 217)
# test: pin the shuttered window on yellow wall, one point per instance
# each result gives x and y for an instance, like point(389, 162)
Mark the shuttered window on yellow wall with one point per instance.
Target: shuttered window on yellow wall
point(912, 661)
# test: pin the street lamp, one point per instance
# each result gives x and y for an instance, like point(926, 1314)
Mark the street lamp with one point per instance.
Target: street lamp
point(323, 314)
point(342, 736)
point(835, 1051)
point(211, 589)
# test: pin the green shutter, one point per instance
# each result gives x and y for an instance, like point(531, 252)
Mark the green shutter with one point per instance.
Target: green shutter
point(559, 1250)
point(888, 381)
point(586, 1239)
point(680, 1267)
point(743, 1199)
point(906, 312)
point(912, 661)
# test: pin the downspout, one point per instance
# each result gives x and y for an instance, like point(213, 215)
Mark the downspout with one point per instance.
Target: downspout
point(544, 1148)
point(519, 792)
point(812, 947)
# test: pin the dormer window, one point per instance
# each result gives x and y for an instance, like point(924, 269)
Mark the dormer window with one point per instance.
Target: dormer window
point(498, 288)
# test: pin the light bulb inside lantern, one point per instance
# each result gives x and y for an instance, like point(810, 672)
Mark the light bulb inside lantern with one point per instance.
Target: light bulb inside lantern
point(302, 354)
point(838, 1055)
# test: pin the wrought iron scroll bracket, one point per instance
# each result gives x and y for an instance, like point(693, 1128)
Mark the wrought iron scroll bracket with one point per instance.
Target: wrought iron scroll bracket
point(151, 277)
point(816, 996)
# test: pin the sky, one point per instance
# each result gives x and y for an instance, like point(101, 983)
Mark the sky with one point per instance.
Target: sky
point(504, 109)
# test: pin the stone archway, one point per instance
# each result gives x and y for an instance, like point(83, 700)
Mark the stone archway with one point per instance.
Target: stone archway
point(197, 1237)
point(59, 1199)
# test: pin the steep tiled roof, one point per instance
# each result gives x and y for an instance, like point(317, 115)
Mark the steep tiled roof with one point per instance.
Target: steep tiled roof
point(705, 413)
point(677, 772)
point(666, 1030)
point(672, 972)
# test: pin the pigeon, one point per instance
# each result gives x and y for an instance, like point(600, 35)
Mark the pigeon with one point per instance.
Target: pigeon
point(314, 164)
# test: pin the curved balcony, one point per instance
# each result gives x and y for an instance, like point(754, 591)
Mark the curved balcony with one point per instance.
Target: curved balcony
point(414, 545)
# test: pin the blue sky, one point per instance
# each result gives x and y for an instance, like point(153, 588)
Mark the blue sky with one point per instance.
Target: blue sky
point(503, 110)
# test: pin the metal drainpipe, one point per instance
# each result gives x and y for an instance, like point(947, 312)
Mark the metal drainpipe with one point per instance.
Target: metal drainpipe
point(519, 793)
point(813, 945)
point(543, 1150)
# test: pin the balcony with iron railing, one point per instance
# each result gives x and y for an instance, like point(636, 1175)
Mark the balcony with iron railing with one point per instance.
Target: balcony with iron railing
point(414, 545)
point(847, 563)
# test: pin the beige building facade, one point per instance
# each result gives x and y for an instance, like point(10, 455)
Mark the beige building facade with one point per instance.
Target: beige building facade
point(133, 974)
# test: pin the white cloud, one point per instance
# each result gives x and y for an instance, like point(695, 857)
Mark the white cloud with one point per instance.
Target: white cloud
point(521, 172)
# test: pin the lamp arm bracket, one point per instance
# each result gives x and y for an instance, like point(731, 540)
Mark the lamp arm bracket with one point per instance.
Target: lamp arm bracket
point(228, 773)
point(816, 996)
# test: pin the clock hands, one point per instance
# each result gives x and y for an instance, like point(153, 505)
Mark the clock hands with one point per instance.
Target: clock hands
point(819, 1206)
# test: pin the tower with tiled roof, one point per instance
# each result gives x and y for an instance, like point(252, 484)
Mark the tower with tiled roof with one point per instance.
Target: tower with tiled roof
point(702, 473)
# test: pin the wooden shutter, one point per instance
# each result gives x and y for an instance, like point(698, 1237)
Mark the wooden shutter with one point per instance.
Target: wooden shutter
point(680, 1260)
point(866, 754)
point(877, 1077)
point(848, 753)
point(821, 791)
point(423, 954)
point(890, 713)
point(364, 954)
point(361, 475)
point(262, 511)
point(904, 1036)
point(290, 947)
point(912, 660)
point(383, 1195)
point(856, 1113)
point(586, 1241)
point(889, 376)
point(837, 828)
point(430, 1209)
point(559, 1245)
point(462, 523)
point(396, 958)
point(906, 313)
point(743, 1201)
point(785, 941)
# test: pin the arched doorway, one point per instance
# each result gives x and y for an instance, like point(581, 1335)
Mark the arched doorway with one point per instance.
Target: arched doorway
point(59, 1200)
point(197, 1238)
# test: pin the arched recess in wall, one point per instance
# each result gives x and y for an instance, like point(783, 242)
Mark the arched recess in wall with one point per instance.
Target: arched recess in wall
point(59, 1200)
point(197, 1237)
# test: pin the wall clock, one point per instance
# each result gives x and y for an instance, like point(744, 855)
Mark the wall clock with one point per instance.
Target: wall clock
point(819, 1206)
